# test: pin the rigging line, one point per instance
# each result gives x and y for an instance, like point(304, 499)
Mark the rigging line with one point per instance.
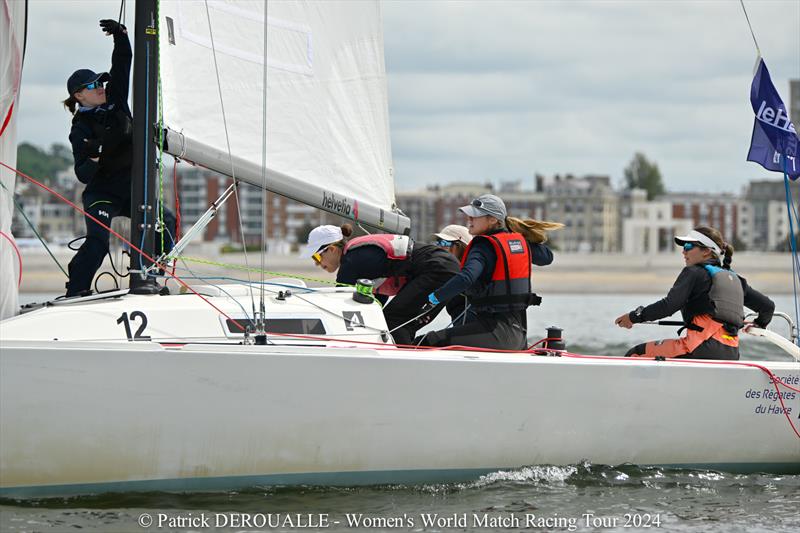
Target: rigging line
point(117, 235)
point(226, 293)
point(160, 121)
point(262, 305)
point(792, 244)
point(19, 256)
point(751, 28)
point(244, 240)
point(337, 315)
point(272, 273)
point(121, 17)
point(33, 228)
point(228, 141)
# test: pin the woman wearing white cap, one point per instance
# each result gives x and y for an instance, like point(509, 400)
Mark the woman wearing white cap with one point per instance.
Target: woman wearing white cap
point(711, 299)
point(454, 239)
point(397, 266)
point(495, 277)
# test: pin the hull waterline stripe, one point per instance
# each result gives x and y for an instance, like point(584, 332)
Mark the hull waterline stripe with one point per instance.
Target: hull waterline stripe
point(333, 479)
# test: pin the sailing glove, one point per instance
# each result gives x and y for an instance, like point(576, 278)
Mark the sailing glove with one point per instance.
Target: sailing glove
point(112, 27)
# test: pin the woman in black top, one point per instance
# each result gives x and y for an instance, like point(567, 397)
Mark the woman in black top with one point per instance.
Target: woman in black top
point(423, 268)
point(711, 299)
point(102, 146)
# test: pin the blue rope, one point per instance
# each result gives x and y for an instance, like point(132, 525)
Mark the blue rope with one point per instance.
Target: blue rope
point(792, 243)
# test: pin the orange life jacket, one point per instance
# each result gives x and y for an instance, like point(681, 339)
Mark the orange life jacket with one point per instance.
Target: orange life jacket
point(510, 286)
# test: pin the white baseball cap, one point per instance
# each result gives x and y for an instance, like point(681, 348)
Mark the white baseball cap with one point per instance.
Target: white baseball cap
point(321, 236)
point(701, 239)
point(454, 232)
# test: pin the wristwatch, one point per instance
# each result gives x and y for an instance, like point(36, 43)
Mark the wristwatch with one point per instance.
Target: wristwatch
point(636, 314)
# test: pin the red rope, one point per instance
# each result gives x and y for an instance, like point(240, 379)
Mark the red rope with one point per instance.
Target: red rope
point(123, 239)
point(177, 236)
point(19, 256)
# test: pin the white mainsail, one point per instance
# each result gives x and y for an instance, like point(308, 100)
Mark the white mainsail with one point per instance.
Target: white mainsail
point(12, 48)
point(327, 124)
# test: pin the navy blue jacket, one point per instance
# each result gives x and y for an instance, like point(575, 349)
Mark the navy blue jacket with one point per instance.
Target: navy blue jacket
point(109, 125)
point(479, 266)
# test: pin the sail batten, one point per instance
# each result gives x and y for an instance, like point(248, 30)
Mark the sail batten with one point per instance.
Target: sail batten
point(327, 123)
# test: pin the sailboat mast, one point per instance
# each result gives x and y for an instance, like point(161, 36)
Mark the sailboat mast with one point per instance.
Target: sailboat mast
point(143, 182)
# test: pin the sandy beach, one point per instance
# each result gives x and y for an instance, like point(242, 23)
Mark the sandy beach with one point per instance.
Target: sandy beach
point(569, 273)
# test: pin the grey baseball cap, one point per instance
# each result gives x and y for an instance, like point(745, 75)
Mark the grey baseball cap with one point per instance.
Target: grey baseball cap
point(486, 205)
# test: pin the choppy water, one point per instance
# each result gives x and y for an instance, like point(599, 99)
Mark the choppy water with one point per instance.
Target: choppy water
point(582, 497)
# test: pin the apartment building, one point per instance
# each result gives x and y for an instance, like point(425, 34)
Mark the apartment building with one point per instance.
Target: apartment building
point(589, 208)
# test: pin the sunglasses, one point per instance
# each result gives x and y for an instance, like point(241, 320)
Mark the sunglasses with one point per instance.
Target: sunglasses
point(690, 245)
point(317, 256)
point(94, 85)
point(477, 203)
point(443, 243)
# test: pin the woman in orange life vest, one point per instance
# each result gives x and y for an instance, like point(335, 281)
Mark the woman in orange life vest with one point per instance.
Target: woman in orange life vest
point(711, 298)
point(495, 277)
point(398, 267)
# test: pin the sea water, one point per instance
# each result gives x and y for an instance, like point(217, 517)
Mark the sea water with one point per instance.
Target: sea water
point(580, 497)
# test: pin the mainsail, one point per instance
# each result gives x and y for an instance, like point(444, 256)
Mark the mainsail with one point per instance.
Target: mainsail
point(326, 139)
point(12, 47)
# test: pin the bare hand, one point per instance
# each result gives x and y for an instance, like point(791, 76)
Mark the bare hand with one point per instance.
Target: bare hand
point(624, 321)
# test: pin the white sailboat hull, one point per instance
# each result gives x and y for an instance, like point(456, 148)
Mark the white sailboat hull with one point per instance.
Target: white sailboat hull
point(77, 418)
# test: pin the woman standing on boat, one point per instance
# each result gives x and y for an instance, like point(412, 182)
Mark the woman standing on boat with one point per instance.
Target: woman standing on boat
point(102, 146)
point(495, 277)
point(711, 298)
point(397, 266)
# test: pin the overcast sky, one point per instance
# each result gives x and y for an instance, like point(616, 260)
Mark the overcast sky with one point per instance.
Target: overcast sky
point(491, 90)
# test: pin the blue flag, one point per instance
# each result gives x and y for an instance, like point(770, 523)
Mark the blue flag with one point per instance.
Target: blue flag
point(774, 144)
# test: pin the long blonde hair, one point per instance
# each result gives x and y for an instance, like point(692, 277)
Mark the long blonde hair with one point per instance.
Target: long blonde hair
point(534, 231)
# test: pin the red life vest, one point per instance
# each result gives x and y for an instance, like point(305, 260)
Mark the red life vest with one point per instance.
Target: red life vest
point(397, 248)
point(510, 286)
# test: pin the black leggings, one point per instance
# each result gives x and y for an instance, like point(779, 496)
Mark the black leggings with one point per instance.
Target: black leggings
point(104, 207)
point(495, 331)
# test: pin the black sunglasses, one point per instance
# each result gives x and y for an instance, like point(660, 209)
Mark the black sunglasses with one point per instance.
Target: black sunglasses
point(477, 203)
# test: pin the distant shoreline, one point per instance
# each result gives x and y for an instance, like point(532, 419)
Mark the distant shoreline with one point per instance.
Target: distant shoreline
point(570, 273)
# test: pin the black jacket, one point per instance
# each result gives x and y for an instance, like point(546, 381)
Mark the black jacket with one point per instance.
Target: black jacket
point(110, 126)
point(689, 295)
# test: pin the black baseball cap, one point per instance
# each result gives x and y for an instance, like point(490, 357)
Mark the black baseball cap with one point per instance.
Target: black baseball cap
point(83, 77)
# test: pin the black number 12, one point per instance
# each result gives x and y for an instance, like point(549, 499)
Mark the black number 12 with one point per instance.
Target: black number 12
point(123, 319)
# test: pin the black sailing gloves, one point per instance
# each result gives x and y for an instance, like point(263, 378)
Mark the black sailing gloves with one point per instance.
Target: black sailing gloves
point(112, 27)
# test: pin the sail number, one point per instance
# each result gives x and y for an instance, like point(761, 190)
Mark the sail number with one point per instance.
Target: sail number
point(125, 320)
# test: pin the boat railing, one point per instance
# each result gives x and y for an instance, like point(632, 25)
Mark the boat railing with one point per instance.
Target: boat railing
point(787, 318)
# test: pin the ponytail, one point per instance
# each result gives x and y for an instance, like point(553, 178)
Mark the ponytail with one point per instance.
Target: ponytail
point(70, 103)
point(347, 231)
point(726, 263)
point(534, 231)
point(726, 248)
